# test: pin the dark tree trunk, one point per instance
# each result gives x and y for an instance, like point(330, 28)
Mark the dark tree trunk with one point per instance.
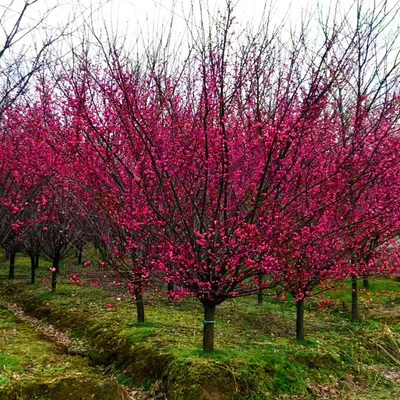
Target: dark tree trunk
point(260, 293)
point(208, 330)
point(300, 319)
point(170, 286)
point(79, 250)
point(139, 299)
point(33, 269)
point(355, 312)
point(11, 271)
point(37, 261)
point(366, 283)
point(140, 307)
point(56, 265)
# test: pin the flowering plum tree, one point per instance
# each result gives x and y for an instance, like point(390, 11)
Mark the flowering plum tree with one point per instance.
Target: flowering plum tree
point(35, 194)
point(23, 175)
point(251, 158)
point(225, 170)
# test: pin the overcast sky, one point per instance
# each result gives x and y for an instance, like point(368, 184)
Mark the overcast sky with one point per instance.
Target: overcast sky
point(141, 18)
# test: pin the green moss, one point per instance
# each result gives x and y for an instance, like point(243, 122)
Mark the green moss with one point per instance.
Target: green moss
point(146, 324)
point(8, 361)
point(290, 379)
point(64, 389)
point(33, 368)
point(148, 362)
point(125, 380)
point(5, 323)
point(201, 378)
point(140, 334)
point(46, 295)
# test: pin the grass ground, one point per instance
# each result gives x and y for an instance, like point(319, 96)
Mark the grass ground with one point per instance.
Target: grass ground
point(33, 368)
point(256, 355)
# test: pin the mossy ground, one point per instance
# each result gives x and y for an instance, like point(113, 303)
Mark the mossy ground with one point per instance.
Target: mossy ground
point(256, 355)
point(33, 368)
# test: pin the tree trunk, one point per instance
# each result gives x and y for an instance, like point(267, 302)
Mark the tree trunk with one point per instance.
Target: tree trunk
point(300, 319)
point(11, 271)
point(80, 254)
point(56, 265)
point(208, 330)
point(260, 293)
point(139, 299)
point(170, 286)
point(33, 269)
point(355, 312)
point(37, 261)
point(366, 282)
point(139, 307)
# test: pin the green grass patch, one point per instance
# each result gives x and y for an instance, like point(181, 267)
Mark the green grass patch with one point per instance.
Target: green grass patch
point(140, 334)
point(126, 381)
point(33, 368)
point(8, 361)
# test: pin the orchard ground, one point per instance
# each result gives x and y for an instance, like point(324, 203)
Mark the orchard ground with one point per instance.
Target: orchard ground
point(257, 356)
point(33, 368)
